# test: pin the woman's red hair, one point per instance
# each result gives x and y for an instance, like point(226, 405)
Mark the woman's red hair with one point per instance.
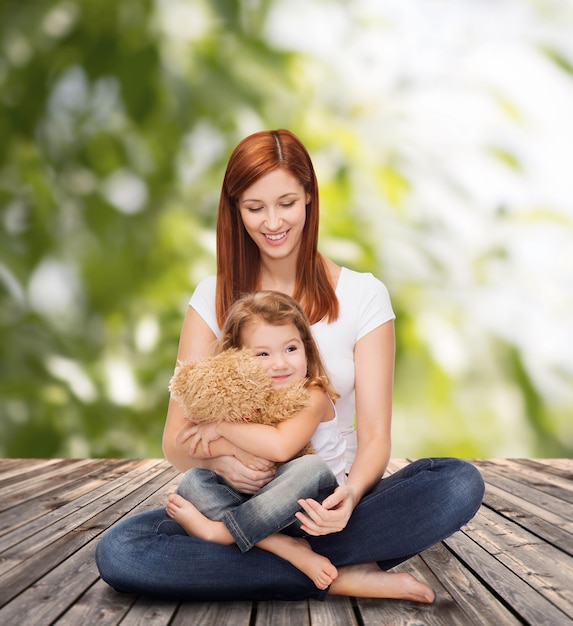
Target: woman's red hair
point(238, 258)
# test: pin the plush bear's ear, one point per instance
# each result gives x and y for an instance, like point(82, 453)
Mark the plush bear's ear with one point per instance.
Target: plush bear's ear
point(225, 387)
point(184, 381)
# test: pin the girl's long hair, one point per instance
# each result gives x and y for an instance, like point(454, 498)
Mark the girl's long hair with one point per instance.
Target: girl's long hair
point(238, 258)
point(276, 309)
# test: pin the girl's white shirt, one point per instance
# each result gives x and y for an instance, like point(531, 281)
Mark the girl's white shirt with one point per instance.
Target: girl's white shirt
point(330, 446)
point(364, 304)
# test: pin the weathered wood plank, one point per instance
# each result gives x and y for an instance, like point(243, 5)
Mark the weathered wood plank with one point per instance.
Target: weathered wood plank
point(524, 601)
point(532, 490)
point(31, 483)
point(98, 606)
point(49, 597)
point(537, 476)
point(543, 567)
point(550, 526)
point(558, 467)
point(15, 470)
point(148, 612)
point(477, 602)
point(280, 613)
point(47, 523)
point(211, 613)
point(512, 563)
point(400, 613)
point(335, 611)
point(61, 520)
point(49, 481)
point(30, 515)
point(48, 548)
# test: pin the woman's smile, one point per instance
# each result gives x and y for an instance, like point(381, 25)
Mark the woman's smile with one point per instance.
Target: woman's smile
point(276, 238)
point(273, 211)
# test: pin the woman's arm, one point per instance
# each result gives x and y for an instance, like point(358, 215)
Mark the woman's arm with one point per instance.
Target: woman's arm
point(197, 340)
point(277, 443)
point(374, 376)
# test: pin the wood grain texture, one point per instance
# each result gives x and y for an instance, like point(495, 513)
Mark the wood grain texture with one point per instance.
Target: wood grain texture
point(512, 564)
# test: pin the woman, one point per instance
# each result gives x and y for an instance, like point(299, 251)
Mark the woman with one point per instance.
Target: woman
point(267, 235)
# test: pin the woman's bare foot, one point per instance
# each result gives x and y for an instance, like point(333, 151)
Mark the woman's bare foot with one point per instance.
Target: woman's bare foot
point(367, 580)
point(194, 523)
point(299, 553)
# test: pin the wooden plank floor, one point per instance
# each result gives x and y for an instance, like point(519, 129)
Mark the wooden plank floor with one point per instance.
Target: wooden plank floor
point(512, 564)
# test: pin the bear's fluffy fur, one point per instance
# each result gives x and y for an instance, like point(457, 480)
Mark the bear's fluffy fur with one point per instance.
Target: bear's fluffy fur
point(232, 387)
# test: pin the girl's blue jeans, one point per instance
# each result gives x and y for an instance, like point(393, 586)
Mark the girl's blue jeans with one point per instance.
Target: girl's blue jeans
point(402, 515)
point(252, 518)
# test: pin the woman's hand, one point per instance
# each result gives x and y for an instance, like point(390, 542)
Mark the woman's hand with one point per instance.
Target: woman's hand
point(329, 517)
point(253, 462)
point(239, 476)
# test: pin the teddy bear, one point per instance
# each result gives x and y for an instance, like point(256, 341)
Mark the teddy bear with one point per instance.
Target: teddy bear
point(232, 387)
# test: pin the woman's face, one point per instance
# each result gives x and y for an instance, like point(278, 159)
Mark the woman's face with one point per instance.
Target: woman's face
point(273, 211)
point(280, 350)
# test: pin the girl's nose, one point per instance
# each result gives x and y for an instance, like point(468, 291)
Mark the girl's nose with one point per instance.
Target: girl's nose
point(279, 362)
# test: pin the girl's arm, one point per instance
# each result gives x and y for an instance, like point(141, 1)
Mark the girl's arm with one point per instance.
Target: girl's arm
point(221, 448)
point(276, 443)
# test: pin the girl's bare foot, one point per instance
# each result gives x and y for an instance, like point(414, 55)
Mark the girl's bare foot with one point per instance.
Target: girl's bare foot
point(194, 523)
point(296, 551)
point(367, 580)
point(299, 553)
point(317, 567)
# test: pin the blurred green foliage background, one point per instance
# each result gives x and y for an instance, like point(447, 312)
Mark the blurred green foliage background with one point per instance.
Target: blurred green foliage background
point(442, 137)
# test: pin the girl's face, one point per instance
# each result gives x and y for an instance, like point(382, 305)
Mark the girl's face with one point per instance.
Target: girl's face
point(280, 350)
point(273, 211)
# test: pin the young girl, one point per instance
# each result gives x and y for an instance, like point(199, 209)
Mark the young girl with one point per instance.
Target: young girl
point(276, 329)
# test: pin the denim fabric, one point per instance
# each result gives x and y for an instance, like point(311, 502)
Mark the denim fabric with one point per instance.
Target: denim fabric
point(403, 515)
point(252, 518)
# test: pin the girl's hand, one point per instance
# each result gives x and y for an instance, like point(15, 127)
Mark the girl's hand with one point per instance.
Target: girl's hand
point(185, 431)
point(202, 435)
point(239, 476)
point(329, 517)
point(194, 433)
point(243, 471)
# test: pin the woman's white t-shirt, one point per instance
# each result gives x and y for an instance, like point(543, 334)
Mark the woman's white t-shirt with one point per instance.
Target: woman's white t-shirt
point(364, 304)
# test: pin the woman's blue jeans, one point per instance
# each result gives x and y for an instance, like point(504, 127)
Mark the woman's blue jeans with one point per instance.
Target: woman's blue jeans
point(404, 514)
point(250, 519)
